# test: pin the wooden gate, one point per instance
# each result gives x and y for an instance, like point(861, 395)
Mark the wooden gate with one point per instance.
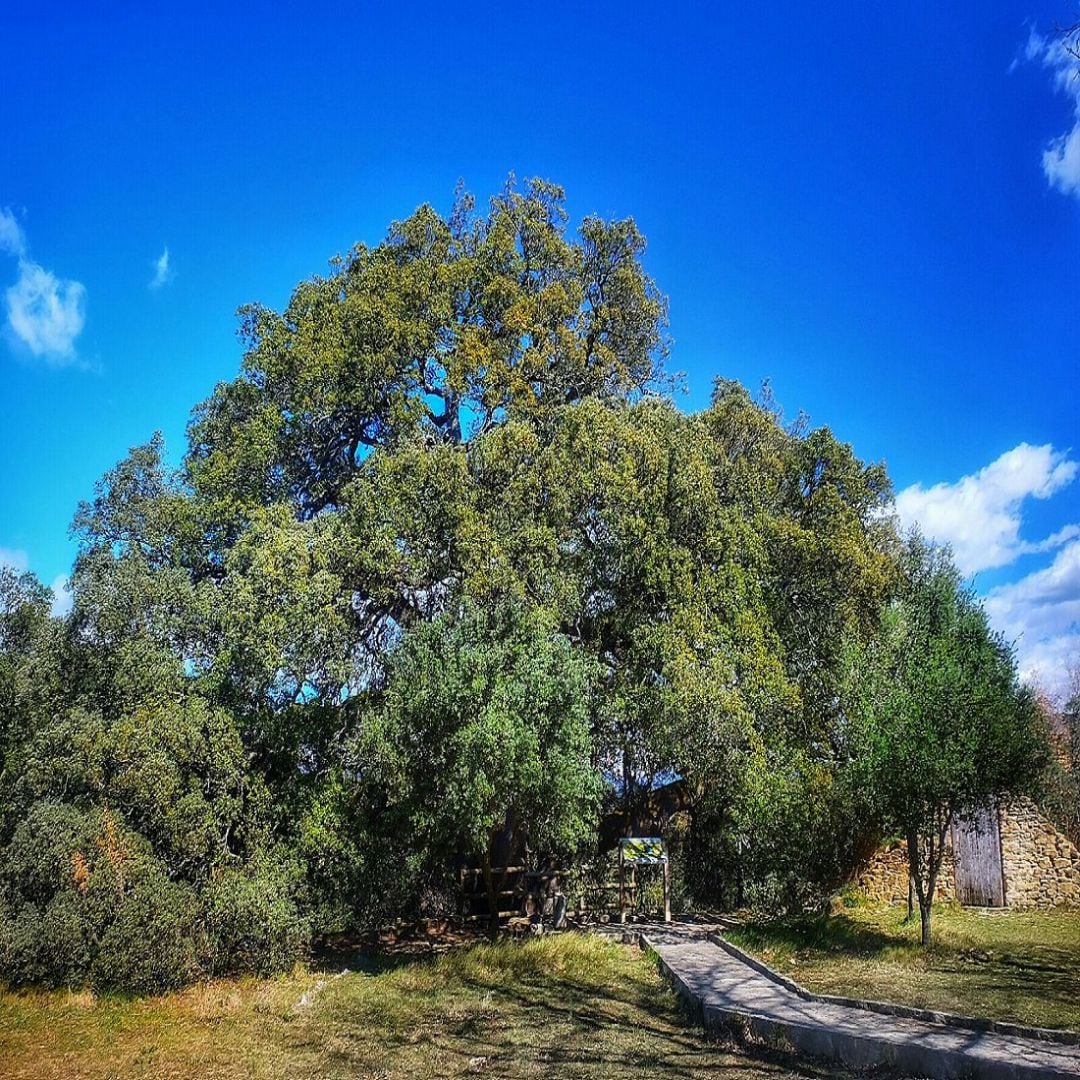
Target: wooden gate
point(980, 881)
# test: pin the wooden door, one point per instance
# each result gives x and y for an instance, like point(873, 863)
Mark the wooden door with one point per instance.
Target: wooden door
point(980, 881)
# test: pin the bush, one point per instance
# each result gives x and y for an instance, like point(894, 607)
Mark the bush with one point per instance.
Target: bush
point(167, 881)
point(83, 901)
point(47, 947)
point(252, 918)
point(149, 941)
point(784, 841)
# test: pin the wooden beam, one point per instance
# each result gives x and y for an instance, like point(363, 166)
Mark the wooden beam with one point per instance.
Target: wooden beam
point(667, 892)
point(622, 889)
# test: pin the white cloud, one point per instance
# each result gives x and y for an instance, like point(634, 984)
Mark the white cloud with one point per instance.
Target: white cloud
point(162, 273)
point(1041, 613)
point(979, 516)
point(45, 314)
point(1061, 158)
point(62, 596)
point(14, 560)
point(12, 241)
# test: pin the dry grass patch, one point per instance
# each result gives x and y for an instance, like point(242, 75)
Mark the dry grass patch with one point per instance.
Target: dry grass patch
point(225, 1028)
point(565, 1007)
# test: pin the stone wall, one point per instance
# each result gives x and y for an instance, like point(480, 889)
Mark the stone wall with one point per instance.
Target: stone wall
point(1042, 866)
point(885, 876)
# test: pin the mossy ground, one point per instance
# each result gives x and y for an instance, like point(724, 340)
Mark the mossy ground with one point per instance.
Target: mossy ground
point(1022, 967)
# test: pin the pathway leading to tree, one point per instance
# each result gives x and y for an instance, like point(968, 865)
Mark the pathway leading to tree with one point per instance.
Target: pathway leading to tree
point(732, 994)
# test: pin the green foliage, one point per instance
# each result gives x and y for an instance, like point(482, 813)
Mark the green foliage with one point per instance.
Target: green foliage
point(446, 328)
point(253, 916)
point(175, 772)
point(84, 900)
point(939, 725)
point(29, 672)
point(787, 834)
point(443, 570)
point(485, 728)
point(287, 611)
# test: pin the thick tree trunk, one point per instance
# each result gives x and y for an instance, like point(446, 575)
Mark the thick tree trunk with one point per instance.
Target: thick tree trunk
point(924, 913)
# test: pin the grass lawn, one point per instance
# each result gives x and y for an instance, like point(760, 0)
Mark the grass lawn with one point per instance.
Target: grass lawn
point(1017, 966)
point(564, 1007)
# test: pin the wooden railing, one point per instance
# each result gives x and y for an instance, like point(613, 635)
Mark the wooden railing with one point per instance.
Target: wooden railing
point(519, 891)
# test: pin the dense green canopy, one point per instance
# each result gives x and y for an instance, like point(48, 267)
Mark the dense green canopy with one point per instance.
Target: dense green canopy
point(445, 558)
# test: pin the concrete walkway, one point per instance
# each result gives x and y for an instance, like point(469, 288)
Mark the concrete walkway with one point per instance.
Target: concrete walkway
point(732, 995)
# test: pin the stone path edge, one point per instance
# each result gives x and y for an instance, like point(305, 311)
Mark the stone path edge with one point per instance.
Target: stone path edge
point(906, 1012)
point(745, 1025)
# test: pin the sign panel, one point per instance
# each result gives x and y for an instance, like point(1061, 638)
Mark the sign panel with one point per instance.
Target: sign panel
point(642, 850)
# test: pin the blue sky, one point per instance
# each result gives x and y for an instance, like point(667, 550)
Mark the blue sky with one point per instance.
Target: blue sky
point(879, 212)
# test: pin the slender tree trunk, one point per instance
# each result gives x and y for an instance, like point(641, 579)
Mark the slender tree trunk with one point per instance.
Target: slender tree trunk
point(628, 790)
point(935, 855)
point(910, 897)
point(926, 902)
point(493, 900)
point(924, 891)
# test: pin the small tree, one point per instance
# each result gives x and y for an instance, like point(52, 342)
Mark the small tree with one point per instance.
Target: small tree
point(939, 725)
point(485, 725)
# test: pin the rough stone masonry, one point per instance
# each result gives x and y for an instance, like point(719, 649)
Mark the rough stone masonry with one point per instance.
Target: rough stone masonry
point(1040, 865)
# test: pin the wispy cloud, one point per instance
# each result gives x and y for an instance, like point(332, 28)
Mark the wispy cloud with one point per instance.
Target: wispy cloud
point(12, 241)
point(162, 272)
point(1061, 157)
point(979, 515)
point(14, 559)
point(45, 314)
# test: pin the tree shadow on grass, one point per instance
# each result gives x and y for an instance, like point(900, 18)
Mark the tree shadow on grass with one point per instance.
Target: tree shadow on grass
point(676, 1045)
point(1029, 984)
point(514, 1024)
point(835, 934)
point(376, 951)
point(1014, 985)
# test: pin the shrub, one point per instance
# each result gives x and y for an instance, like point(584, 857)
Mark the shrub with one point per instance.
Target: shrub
point(252, 917)
point(83, 901)
point(148, 938)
